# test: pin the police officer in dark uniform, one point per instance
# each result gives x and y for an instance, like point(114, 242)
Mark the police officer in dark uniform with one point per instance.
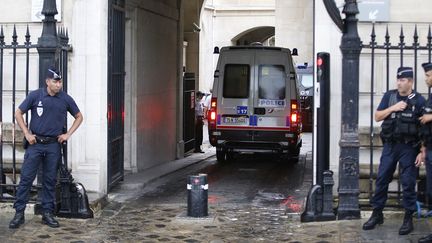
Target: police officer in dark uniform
point(425, 154)
point(399, 110)
point(49, 107)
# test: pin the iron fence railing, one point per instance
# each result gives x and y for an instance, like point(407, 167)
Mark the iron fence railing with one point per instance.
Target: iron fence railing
point(407, 54)
point(15, 63)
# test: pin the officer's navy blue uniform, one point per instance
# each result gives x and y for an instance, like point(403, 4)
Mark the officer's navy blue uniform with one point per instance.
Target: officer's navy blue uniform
point(402, 149)
point(48, 117)
point(426, 133)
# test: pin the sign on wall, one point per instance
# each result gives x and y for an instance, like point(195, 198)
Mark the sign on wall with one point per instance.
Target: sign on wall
point(37, 16)
point(373, 10)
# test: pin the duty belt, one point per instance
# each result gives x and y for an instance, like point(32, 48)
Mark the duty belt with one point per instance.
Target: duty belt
point(45, 140)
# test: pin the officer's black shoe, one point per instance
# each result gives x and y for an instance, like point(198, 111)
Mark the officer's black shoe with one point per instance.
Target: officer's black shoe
point(376, 218)
point(426, 239)
point(407, 225)
point(17, 221)
point(48, 219)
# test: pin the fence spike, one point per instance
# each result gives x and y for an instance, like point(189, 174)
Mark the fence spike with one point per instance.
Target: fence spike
point(1, 36)
point(27, 36)
point(373, 35)
point(429, 37)
point(14, 37)
point(401, 38)
point(387, 38)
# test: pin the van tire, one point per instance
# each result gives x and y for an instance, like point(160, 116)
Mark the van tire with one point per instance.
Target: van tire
point(294, 155)
point(220, 155)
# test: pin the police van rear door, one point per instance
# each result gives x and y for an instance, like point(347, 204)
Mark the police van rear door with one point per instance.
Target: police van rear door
point(272, 97)
point(234, 108)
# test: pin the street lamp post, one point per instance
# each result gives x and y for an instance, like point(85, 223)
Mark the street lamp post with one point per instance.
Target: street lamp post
point(48, 42)
point(48, 52)
point(348, 207)
point(351, 46)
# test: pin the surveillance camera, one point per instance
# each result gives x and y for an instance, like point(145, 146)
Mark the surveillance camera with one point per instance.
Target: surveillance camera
point(196, 28)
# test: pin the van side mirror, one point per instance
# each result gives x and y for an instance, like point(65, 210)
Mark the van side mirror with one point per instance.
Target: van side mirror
point(216, 50)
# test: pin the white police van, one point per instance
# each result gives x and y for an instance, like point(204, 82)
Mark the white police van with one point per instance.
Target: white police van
point(255, 105)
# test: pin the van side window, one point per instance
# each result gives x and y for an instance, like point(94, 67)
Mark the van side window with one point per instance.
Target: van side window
point(271, 82)
point(236, 81)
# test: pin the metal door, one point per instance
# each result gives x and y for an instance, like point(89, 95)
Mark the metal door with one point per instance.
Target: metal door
point(189, 111)
point(272, 89)
point(235, 103)
point(116, 74)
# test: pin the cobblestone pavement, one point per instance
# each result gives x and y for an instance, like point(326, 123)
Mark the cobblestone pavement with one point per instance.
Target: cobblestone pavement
point(133, 222)
point(268, 218)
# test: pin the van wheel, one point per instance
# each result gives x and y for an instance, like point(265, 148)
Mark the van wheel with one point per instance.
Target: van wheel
point(220, 155)
point(294, 155)
point(229, 156)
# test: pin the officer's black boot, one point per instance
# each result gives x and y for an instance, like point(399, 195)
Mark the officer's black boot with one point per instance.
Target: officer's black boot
point(426, 239)
point(17, 220)
point(48, 219)
point(407, 225)
point(376, 218)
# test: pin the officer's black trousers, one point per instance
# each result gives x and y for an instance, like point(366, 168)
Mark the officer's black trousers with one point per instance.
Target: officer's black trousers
point(49, 156)
point(429, 172)
point(199, 123)
point(405, 154)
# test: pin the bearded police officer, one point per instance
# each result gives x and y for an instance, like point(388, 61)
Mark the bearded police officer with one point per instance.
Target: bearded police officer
point(426, 134)
point(49, 107)
point(399, 110)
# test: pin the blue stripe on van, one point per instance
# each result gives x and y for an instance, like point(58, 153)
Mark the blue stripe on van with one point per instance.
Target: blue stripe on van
point(287, 121)
point(253, 120)
point(218, 119)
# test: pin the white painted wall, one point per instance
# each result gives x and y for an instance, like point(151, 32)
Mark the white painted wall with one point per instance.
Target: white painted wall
point(88, 85)
point(221, 21)
point(294, 28)
point(155, 86)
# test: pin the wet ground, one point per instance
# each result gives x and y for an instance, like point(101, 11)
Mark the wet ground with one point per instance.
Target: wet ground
point(252, 199)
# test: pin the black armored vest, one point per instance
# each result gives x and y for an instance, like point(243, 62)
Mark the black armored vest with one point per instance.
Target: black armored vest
point(401, 126)
point(426, 129)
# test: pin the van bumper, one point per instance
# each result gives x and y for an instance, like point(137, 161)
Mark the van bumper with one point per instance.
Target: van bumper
point(255, 141)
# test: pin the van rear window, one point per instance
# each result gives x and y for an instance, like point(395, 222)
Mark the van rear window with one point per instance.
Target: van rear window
point(271, 82)
point(236, 81)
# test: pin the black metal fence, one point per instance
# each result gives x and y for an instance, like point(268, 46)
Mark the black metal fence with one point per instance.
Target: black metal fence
point(388, 56)
point(18, 75)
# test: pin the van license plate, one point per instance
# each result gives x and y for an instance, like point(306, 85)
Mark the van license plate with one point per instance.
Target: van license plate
point(235, 120)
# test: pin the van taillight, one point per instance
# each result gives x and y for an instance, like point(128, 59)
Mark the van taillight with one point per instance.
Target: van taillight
point(294, 116)
point(212, 112)
point(212, 115)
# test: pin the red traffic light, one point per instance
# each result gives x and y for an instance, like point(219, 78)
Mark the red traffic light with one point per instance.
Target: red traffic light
point(319, 61)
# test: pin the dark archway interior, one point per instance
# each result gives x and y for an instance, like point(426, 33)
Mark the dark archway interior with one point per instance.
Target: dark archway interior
point(259, 34)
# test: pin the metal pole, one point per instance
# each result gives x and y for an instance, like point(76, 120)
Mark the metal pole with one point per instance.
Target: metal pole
point(48, 42)
point(348, 207)
point(48, 53)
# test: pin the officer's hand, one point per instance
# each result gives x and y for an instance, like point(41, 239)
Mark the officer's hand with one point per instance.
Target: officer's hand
point(63, 138)
point(425, 118)
point(420, 159)
point(30, 138)
point(400, 106)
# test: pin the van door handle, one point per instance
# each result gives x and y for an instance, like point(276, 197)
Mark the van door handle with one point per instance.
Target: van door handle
point(259, 111)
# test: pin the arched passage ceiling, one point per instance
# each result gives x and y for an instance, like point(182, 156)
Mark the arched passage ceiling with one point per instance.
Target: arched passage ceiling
point(258, 34)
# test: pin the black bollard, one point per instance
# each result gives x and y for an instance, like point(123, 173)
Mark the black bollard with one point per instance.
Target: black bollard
point(327, 208)
point(197, 196)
